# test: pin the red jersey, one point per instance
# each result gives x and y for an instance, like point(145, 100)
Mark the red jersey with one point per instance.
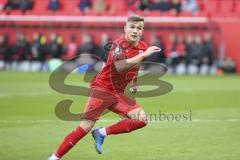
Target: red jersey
point(109, 78)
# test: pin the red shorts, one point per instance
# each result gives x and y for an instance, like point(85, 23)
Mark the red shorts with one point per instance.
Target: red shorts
point(101, 101)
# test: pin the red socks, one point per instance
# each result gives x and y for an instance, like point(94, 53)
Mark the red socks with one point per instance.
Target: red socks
point(69, 141)
point(125, 126)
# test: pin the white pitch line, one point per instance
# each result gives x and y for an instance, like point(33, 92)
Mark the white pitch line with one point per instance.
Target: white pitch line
point(116, 120)
point(175, 90)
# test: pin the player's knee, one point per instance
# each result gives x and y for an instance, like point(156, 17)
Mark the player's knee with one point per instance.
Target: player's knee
point(143, 119)
point(87, 125)
point(139, 115)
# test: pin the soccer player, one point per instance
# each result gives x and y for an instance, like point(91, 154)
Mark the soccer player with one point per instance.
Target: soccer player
point(107, 90)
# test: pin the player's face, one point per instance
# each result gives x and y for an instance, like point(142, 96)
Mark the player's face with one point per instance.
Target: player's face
point(133, 31)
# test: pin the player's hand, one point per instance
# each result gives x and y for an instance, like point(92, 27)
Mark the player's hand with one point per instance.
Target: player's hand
point(134, 89)
point(151, 50)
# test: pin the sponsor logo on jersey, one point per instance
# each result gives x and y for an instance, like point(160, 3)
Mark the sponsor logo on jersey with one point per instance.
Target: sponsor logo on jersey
point(117, 51)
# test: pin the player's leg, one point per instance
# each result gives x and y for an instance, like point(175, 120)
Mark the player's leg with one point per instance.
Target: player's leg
point(135, 119)
point(135, 116)
point(97, 103)
point(72, 138)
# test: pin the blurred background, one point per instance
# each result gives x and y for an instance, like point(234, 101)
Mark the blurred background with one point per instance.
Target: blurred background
point(196, 36)
point(200, 47)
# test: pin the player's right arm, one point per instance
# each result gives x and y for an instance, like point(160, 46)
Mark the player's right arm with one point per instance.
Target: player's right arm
point(125, 64)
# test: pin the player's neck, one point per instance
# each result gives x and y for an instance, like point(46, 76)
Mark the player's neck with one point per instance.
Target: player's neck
point(134, 43)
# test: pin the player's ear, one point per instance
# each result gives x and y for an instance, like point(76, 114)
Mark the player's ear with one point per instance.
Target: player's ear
point(143, 26)
point(125, 28)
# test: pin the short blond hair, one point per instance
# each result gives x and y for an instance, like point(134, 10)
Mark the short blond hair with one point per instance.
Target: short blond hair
point(135, 18)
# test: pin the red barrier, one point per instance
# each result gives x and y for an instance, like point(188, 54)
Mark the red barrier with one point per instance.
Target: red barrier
point(231, 36)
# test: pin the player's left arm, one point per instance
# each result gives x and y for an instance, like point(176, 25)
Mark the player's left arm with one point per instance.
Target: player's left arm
point(125, 64)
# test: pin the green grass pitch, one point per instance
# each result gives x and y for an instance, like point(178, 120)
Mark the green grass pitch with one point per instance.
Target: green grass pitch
point(30, 130)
